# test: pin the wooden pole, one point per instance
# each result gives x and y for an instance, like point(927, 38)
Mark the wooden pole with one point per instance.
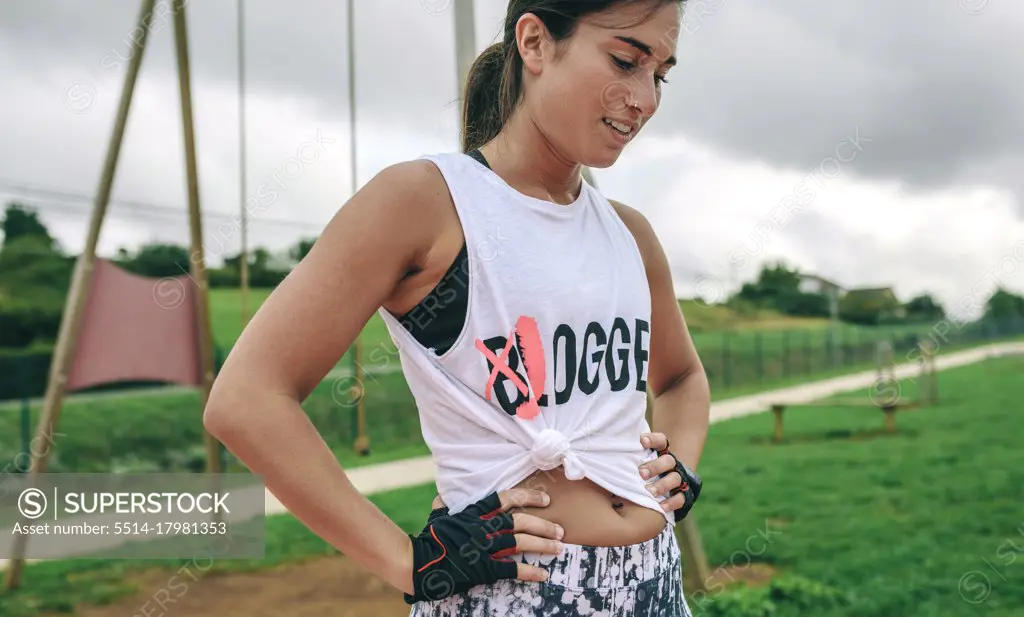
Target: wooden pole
point(362, 441)
point(890, 418)
point(696, 571)
point(71, 318)
point(884, 361)
point(198, 265)
point(777, 412)
point(929, 383)
point(243, 261)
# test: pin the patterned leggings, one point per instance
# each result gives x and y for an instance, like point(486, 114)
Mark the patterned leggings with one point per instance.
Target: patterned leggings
point(638, 580)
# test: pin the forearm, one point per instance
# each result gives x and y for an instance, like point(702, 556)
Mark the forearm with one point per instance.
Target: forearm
point(274, 438)
point(682, 413)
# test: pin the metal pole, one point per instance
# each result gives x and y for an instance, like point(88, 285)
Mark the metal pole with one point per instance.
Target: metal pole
point(71, 319)
point(465, 41)
point(244, 256)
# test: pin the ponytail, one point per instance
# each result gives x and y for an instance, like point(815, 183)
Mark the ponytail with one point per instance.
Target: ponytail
point(492, 92)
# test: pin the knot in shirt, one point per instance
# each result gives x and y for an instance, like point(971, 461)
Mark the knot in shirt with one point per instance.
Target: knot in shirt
point(551, 449)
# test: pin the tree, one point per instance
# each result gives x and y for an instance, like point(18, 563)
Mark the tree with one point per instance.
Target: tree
point(265, 270)
point(156, 260)
point(20, 222)
point(31, 262)
point(301, 248)
point(777, 287)
point(871, 306)
point(34, 280)
point(924, 308)
point(1004, 306)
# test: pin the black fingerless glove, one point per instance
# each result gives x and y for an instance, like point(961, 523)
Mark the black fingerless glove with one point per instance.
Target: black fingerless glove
point(455, 552)
point(690, 487)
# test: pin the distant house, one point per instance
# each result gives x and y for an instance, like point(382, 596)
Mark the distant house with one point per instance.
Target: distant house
point(880, 299)
point(814, 284)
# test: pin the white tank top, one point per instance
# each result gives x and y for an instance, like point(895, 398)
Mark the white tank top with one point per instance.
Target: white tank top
point(551, 365)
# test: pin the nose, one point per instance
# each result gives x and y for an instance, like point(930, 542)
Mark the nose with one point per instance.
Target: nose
point(645, 94)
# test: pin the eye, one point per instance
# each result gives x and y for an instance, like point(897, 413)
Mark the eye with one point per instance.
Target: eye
point(623, 64)
point(629, 66)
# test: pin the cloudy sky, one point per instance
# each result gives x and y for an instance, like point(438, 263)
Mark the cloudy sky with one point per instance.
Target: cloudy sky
point(875, 143)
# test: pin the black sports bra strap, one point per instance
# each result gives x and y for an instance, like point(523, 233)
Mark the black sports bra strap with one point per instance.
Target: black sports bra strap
point(476, 154)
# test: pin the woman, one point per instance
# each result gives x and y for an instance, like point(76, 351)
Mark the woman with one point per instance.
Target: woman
point(533, 317)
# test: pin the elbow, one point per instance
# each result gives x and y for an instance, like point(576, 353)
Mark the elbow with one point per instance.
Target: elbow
point(223, 410)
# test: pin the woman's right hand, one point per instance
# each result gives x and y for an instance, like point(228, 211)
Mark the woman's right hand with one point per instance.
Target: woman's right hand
point(455, 552)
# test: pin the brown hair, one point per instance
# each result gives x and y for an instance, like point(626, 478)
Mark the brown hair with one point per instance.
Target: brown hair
point(494, 84)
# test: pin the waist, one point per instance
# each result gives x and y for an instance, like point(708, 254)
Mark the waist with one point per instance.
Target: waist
point(589, 514)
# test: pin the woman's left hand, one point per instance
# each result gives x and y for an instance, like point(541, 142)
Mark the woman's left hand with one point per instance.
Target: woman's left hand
point(664, 464)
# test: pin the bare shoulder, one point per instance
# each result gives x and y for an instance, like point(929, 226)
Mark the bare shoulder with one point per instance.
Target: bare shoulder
point(418, 181)
point(641, 229)
point(406, 205)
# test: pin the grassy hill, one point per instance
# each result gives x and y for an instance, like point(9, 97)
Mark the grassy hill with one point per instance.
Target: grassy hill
point(226, 317)
point(737, 346)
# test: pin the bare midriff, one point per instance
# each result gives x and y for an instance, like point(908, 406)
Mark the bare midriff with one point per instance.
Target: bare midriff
point(590, 514)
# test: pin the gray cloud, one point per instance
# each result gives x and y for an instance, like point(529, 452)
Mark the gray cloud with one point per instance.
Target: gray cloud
point(936, 88)
point(937, 91)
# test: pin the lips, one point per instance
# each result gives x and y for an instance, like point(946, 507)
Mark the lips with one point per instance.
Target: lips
point(621, 132)
point(623, 128)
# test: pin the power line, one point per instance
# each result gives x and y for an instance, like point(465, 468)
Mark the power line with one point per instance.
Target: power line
point(138, 207)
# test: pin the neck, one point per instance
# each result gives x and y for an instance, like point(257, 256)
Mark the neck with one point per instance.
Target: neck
point(530, 163)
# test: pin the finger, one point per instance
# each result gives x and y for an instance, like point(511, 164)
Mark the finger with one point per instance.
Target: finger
point(528, 523)
point(658, 466)
point(522, 497)
point(655, 441)
point(666, 484)
point(674, 502)
point(526, 572)
point(526, 543)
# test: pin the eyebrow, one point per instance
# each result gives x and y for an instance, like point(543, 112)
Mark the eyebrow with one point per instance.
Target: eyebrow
point(644, 47)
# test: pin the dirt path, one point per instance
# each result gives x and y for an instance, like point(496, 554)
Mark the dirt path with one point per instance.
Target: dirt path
point(321, 587)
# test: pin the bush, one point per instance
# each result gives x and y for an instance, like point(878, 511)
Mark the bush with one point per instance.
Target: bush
point(23, 372)
point(793, 302)
point(787, 596)
point(34, 317)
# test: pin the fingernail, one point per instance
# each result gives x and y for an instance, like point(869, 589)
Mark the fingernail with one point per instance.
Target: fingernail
point(646, 441)
point(652, 490)
point(559, 532)
point(559, 546)
point(546, 498)
point(645, 473)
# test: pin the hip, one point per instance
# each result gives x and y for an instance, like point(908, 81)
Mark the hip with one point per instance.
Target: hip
point(643, 579)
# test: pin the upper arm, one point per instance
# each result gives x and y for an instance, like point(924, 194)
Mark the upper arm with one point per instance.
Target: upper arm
point(673, 355)
point(317, 311)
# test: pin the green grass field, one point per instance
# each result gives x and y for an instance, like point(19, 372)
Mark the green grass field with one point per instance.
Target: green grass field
point(164, 433)
point(855, 523)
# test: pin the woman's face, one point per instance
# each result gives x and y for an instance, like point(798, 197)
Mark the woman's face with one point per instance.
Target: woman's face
point(593, 99)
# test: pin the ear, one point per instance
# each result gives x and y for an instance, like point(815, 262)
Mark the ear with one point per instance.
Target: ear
point(533, 41)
